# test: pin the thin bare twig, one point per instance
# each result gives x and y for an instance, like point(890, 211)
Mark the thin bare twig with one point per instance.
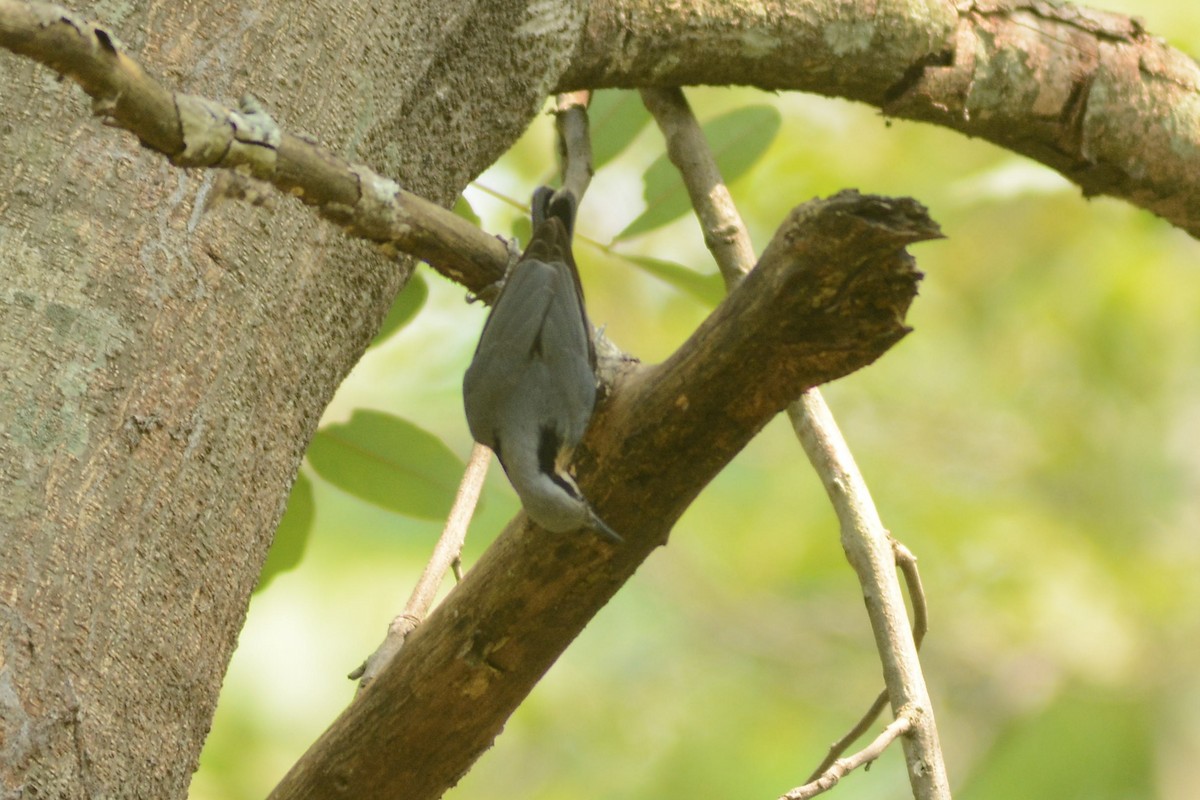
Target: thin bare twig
point(842, 767)
point(859, 728)
point(863, 534)
point(574, 141)
point(869, 550)
point(724, 232)
point(907, 562)
point(445, 556)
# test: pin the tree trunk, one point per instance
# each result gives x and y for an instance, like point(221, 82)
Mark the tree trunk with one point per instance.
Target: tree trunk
point(168, 352)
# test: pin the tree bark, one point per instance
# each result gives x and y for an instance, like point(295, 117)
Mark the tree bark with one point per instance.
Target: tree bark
point(1088, 93)
point(168, 352)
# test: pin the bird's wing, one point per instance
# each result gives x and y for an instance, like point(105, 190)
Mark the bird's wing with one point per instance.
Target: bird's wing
point(566, 351)
point(500, 370)
point(534, 368)
point(553, 221)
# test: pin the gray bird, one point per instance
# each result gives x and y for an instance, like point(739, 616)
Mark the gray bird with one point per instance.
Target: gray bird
point(531, 387)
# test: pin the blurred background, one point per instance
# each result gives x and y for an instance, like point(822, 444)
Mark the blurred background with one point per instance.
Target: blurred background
point(1035, 441)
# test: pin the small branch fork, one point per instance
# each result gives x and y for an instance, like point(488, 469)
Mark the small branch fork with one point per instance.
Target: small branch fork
point(870, 551)
point(844, 766)
point(907, 563)
point(868, 545)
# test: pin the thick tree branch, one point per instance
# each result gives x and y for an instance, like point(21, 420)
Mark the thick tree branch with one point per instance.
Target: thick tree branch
point(827, 297)
point(1088, 93)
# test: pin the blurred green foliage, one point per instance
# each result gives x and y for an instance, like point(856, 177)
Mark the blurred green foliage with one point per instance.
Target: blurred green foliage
point(291, 537)
point(388, 461)
point(738, 138)
point(410, 301)
point(1035, 440)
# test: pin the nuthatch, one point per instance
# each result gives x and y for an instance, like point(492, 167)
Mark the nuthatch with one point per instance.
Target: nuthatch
point(531, 387)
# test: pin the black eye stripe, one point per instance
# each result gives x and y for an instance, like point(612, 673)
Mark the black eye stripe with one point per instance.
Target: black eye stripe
point(548, 446)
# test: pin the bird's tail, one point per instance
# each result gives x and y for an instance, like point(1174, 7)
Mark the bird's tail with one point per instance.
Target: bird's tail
point(548, 204)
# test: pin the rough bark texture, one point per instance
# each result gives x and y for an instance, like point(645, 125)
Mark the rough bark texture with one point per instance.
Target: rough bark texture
point(828, 297)
point(1088, 93)
point(166, 357)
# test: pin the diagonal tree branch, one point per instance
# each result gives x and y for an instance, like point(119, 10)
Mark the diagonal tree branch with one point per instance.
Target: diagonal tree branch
point(828, 296)
point(446, 554)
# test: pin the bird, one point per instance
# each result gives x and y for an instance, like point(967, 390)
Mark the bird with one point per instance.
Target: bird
point(530, 389)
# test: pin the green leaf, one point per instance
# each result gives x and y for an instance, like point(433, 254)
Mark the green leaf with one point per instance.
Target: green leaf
point(522, 229)
point(708, 289)
point(616, 117)
point(404, 308)
point(738, 139)
point(291, 537)
point(389, 462)
point(462, 207)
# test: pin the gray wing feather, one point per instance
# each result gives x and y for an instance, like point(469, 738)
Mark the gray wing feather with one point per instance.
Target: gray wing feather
point(532, 367)
point(499, 368)
point(568, 358)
